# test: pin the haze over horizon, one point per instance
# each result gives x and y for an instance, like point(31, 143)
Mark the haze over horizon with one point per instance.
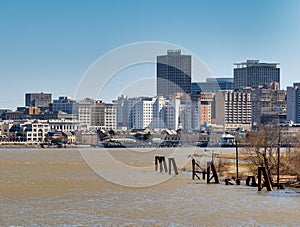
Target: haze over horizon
point(48, 46)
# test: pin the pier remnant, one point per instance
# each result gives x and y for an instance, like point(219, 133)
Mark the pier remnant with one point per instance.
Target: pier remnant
point(196, 169)
point(172, 162)
point(262, 171)
point(162, 163)
point(253, 181)
point(211, 168)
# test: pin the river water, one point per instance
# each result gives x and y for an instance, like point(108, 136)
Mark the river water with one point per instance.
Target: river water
point(84, 188)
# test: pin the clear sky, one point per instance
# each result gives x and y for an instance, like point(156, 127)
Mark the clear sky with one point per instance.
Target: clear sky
point(47, 46)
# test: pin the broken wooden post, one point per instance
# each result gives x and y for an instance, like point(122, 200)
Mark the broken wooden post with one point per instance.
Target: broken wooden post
point(196, 170)
point(156, 162)
point(172, 161)
point(193, 169)
point(211, 167)
point(263, 172)
point(208, 173)
point(162, 163)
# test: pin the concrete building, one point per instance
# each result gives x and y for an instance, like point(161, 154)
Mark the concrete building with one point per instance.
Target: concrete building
point(65, 104)
point(252, 73)
point(35, 131)
point(185, 116)
point(203, 102)
point(233, 109)
point(64, 125)
point(206, 99)
point(41, 100)
point(97, 114)
point(32, 110)
point(293, 103)
point(171, 114)
point(110, 116)
point(122, 112)
point(14, 115)
point(268, 105)
point(5, 127)
point(173, 73)
point(149, 113)
point(131, 110)
point(84, 113)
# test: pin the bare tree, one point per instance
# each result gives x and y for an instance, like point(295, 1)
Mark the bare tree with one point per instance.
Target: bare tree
point(262, 148)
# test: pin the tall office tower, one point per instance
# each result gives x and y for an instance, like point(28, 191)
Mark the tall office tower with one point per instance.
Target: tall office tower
point(252, 74)
point(293, 103)
point(38, 99)
point(173, 73)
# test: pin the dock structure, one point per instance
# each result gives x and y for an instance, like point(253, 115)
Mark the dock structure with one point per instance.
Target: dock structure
point(197, 169)
point(210, 172)
point(161, 161)
point(211, 168)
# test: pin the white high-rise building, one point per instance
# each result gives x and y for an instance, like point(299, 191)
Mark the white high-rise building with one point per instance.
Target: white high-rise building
point(148, 113)
point(171, 111)
point(85, 113)
point(110, 116)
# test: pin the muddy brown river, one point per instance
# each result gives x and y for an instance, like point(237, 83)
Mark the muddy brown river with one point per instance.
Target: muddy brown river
point(92, 187)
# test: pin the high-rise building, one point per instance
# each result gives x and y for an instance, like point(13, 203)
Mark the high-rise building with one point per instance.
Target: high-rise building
point(293, 103)
point(268, 105)
point(173, 73)
point(41, 100)
point(149, 113)
point(252, 74)
point(85, 113)
point(233, 109)
point(65, 104)
point(110, 116)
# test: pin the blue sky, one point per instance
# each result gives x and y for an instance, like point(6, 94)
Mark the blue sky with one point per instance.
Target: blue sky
point(48, 45)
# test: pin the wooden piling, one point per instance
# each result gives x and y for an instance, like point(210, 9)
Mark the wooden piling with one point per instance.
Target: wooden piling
point(196, 169)
point(263, 172)
point(193, 169)
point(162, 163)
point(211, 168)
point(172, 162)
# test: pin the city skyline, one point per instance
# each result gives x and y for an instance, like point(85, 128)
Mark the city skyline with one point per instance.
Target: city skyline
point(47, 47)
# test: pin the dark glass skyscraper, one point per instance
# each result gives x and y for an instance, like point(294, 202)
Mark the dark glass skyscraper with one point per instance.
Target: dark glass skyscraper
point(173, 73)
point(252, 74)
